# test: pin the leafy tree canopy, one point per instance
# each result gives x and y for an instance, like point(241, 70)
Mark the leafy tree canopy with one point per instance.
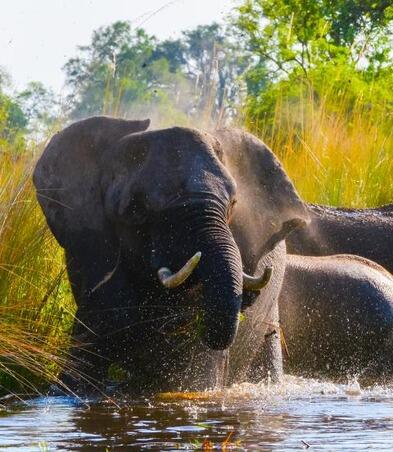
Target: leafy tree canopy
point(12, 119)
point(293, 34)
point(123, 68)
point(316, 48)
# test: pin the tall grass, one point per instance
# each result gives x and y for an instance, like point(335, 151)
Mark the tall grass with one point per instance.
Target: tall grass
point(36, 307)
point(336, 149)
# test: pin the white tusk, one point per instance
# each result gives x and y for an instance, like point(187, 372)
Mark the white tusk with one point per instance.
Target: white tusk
point(171, 280)
point(257, 282)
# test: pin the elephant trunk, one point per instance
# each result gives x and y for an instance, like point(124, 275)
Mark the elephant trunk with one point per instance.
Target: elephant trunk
point(219, 271)
point(221, 274)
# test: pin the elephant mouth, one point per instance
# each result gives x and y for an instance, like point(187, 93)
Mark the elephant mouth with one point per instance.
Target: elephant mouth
point(172, 280)
point(213, 260)
point(213, 314)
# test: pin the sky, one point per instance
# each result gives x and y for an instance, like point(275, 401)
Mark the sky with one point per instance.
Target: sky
point(37, 37)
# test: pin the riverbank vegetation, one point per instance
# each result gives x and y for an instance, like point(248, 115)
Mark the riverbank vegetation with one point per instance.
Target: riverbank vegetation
point(313, 79)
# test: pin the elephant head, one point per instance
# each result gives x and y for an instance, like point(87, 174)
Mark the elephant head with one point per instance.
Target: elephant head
point(268, 207)
point(183, 206)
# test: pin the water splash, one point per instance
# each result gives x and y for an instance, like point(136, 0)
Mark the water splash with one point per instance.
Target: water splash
point(269, 394)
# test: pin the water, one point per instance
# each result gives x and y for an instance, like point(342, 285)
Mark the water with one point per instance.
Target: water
point(298, 414)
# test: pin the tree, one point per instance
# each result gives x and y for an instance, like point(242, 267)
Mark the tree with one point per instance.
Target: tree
point(314, 49)
point(214, 62)
point(299, 34)
point(40, 107)
point(173, 51)
point(122, 69)
point(13, 122)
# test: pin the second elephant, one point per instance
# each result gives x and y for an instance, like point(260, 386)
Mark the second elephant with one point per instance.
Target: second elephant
point(337, 316)
point(333, 230)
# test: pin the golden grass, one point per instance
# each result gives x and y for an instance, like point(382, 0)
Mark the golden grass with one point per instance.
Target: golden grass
point(36, 307)
point(335, 154)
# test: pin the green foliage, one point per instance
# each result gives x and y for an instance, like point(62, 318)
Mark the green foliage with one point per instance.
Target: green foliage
point(320, 91)
point(13, 122)
point(127, 72)
point(215, 61)
point(339, 81)
point(118, 71)
point(40, 108)
point(292, 35)
point(173, 51)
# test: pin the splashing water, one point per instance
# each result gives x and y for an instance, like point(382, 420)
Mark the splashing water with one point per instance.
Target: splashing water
point(297, 414)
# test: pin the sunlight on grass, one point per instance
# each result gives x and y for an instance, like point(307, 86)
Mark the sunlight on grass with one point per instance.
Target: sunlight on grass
point(36, 306)
point(337, 153)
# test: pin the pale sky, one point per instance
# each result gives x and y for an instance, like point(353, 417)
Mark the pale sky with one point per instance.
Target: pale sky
point(38, 36)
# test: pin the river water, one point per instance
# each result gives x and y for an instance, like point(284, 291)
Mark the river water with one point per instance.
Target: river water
point(298, 414)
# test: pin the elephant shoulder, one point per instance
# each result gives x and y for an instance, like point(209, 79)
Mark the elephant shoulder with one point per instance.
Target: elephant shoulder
point(242, 148)
point(254, 163)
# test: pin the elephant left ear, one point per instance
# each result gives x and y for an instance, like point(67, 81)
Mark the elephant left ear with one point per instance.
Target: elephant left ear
point(268, 206)
point(67, 175)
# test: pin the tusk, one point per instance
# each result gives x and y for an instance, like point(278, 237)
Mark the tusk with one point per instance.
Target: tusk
point(171, 280)
point(258, 282)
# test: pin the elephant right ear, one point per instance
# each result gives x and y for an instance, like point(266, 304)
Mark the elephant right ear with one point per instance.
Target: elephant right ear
point(67, 176)
point(268, 206)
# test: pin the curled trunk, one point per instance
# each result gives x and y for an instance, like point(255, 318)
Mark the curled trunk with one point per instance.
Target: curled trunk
point(203, 228)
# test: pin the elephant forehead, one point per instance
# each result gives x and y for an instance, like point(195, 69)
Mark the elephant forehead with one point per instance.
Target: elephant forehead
point(168, 148)
point(193, 175)
point(175, 161)
point(218, 182)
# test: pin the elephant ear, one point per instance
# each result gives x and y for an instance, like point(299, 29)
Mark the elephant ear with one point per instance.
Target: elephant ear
point(67, 176)
point(268, 206)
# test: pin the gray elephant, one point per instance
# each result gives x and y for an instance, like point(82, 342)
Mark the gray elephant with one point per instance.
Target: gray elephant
point(337, 316)
point(332, 230)
point(161, 231)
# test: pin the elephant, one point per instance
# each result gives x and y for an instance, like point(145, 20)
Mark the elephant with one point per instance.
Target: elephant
point(336, 313)
point(163, 231)
point(364, 232)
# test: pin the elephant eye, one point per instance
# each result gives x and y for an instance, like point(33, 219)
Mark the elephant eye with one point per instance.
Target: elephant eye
point(230, 208)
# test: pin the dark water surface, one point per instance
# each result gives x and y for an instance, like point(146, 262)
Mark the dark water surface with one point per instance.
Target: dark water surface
point(290, 416)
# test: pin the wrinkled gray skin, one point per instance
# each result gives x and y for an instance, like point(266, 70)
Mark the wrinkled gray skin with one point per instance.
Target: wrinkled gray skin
point(337, 316)
point(332, 230)
point(123, 202)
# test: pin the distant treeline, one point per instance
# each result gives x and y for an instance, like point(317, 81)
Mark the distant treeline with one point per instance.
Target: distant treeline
point(267, 53)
